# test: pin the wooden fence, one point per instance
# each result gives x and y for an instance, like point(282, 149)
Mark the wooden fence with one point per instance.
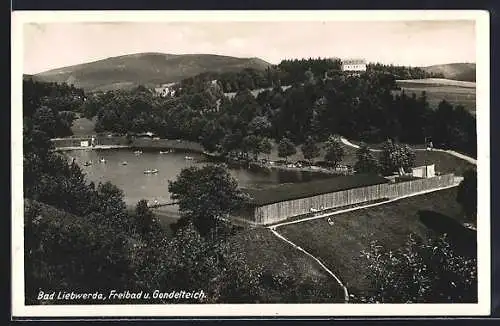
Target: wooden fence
point(276, 212)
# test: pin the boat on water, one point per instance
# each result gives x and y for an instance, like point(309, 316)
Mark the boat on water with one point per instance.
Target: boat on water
point(153, 171)
point(102, 160)
point(153, 203)
point(88, 163)
point(167, 152)
point(189, 157)
point(138, 152)
point(124, 163)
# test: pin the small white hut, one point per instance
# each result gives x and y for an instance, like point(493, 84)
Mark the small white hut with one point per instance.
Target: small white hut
point(426, 171)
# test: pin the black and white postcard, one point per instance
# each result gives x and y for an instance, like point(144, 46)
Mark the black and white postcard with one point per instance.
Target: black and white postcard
point(250, 163)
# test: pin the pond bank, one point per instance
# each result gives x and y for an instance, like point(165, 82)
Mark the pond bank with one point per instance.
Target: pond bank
point(272, 165)
point(152, 144)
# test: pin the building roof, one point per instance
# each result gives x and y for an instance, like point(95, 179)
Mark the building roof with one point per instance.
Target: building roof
point(293, 191)
point(353, 62)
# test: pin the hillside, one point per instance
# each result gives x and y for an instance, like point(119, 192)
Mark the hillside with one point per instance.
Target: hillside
point(147, 69)
point(32, 77)
point(455, 71)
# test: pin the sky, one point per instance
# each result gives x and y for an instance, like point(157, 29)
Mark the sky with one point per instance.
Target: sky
point(415, 43)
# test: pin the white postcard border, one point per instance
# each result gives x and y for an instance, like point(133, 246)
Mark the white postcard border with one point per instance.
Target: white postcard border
point(19, 309)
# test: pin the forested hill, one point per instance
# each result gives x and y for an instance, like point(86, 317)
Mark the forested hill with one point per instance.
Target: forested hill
point(148, 69)
point(455, 71)
point(295, 71)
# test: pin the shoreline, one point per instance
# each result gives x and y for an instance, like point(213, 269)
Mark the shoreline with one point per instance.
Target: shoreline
point(88, 148)
point(184, 145)
point(304, 169)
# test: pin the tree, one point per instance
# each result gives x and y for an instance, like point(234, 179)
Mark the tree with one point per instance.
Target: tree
point(211, 135)
point(310, 149)
point(252, 144)
point(421, 272)
point(366, 163)
point(259, 125)
point(266, 146)
point(309, 76)
point(232, 142)
point(467, 194)
point(334, 151)
point(45, 119)
point(395, 157)
point(145, 222)
point(286, 148)
point(188, 260)
point(67, 251)
point(205, 195)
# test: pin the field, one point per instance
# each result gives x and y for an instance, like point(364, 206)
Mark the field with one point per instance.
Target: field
point(339, 246)
point(437, 82)
point(455, 92)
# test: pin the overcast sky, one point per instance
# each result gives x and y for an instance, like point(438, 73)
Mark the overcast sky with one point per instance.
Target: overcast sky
point(415, 43)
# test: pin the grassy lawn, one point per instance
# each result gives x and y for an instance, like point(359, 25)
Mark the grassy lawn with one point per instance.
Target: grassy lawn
point(260, 246)
point(339, 245)
point(83, 127)
point(445, 163)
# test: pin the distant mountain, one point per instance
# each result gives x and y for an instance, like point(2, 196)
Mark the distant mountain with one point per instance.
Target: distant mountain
point(147, 69)
point(33, 77)
point(455, 71)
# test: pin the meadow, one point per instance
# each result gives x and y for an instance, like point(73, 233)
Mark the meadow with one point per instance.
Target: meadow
point(455, 92)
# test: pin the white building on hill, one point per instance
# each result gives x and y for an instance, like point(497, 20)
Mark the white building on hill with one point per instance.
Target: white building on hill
point(354, 65)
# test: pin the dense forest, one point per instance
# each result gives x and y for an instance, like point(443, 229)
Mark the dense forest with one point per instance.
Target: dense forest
point(51, 106)
point(290, 72)
point(402, 72)
point(361, 108)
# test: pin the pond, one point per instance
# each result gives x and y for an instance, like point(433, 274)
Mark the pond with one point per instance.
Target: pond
point(137, 185)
